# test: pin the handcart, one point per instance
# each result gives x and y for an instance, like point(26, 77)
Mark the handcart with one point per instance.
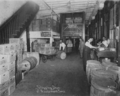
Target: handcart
point(47, 53)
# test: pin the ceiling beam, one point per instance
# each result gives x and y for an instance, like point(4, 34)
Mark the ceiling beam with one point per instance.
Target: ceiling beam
point(50, 8)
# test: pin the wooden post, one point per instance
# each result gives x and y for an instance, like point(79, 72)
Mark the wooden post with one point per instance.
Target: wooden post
point(83, 25)
point(28, 39)
point(119, 38)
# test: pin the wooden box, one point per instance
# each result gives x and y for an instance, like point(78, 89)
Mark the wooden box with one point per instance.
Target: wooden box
point(5, 49)
point(3, 59)
point(4, 92)
point(4, 77)
point(11, 65)
point(4, 85)
point(11, 88)
point(12, 72)
point(12, 80)
point(16, 40)
point(12, 48)
point(3, 68)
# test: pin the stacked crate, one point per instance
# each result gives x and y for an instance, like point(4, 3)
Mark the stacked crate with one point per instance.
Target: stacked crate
point(7, 69)
point(46, 49)
point(19, 48)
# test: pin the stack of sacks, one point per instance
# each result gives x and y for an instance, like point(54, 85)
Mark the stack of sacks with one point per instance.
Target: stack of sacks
point(7, 69)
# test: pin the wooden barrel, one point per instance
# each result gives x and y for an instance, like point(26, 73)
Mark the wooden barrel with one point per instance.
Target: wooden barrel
point(28, 63)
point(108, 63)
point(61, 55)
point(116, 70)
point(102, 73)
point(103, 87)
point(92, 65)
point(32, 54)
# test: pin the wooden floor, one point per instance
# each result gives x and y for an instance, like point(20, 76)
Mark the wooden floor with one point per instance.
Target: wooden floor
point(55, 78)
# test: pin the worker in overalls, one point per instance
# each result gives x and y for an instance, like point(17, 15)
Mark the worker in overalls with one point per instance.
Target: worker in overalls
point(87, 51)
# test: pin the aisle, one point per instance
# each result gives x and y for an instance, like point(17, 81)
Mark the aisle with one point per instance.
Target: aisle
point(55, 78)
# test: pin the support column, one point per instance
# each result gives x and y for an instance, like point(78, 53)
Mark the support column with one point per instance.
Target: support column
point(119, 39)
point(83, 34)
point(28, 39)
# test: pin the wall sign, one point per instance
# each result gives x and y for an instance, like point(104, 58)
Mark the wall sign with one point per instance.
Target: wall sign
point(45, 34)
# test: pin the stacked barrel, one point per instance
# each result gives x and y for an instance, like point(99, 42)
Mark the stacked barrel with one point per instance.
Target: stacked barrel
point(19, 49)
point(7, 69)
point(30, 61)
point(103, 77)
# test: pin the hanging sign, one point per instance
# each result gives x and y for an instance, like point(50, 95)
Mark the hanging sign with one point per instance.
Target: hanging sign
point(73, 20)
point(72, 30)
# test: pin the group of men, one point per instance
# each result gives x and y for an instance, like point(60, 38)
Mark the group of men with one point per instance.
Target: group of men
point(88, 46)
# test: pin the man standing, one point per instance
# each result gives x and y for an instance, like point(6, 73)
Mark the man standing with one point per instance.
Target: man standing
point(81, 46)
point(69, 45)
point(86, 52)
point(62, 46)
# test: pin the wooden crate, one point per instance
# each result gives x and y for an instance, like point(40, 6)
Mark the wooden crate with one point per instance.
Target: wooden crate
point(3, 68)
point(11, 88)
point(12, 72)
point(11, 57)
point(4, 77)
point(4, 92)
point(16, 40)
point(11, 65)
point(4, 85)
point(5, 49)
point(12, 80)
point(3, 59)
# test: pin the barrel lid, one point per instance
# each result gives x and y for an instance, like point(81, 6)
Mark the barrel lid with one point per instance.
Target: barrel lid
point(63, 55)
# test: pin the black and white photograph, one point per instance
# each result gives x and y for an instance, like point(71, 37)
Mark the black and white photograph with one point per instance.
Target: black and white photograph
point(59, 48)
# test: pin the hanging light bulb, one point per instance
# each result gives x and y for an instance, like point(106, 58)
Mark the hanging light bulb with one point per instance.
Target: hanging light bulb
point(101, 5)
point(69, 5)
point(93, 17)
point(89, 23)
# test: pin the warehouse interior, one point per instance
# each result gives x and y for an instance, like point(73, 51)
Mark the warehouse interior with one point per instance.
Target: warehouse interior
point(44, 48)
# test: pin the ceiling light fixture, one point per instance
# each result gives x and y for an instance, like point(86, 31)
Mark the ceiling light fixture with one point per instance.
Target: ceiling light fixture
point(93, 17)
point(69, 4)
point(101, 5)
